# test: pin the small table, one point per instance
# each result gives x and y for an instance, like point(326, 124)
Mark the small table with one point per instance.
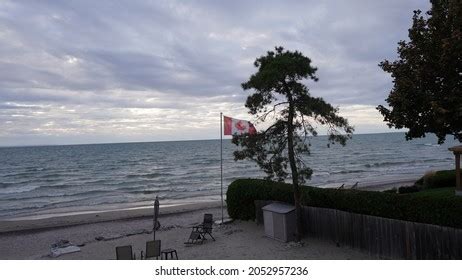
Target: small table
point(168, 252)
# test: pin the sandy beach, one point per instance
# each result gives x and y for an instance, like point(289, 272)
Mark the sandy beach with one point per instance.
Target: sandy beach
point(31, 237)
point(236, 240)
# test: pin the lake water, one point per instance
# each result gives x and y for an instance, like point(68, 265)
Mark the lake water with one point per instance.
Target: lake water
point(58, 178)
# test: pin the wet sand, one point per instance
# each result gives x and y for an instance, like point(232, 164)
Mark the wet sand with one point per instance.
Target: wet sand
point(54, 220)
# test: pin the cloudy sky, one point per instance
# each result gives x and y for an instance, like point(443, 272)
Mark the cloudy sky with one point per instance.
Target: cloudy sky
point(115, 71)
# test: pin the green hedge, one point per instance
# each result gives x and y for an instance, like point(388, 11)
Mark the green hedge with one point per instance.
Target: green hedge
point(439, 179)
point(445, 211)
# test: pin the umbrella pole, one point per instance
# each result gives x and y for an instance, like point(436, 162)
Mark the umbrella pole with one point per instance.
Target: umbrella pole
point(154, 222)
point(155, 217)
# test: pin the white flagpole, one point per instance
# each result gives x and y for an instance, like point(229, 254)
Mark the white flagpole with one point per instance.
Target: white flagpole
point(221, 163)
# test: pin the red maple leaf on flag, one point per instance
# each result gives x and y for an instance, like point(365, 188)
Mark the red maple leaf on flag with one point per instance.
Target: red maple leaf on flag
point(236, 126)
point(240, 125)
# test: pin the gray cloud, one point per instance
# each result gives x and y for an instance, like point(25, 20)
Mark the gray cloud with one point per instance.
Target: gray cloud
point(85, 69)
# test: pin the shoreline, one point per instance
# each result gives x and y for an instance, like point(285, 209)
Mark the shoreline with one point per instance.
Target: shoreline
point(50, 221)
point(90, 215)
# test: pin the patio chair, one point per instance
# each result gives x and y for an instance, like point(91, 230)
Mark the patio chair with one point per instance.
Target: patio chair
point(207, 226)
point(198, 232)
point(195, 237)
point(152, 250)
point(125, 253)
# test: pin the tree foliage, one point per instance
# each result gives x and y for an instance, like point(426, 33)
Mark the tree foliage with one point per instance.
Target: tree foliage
point(282, 101)
point(427, 77)
point(278, 90)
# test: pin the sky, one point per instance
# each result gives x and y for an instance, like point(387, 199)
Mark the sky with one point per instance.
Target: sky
point(86, 71)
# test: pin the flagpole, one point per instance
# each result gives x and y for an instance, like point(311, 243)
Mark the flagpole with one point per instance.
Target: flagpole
point(221, 163)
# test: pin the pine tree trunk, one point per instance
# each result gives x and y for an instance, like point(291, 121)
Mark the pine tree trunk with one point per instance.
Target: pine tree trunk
point(293, 167)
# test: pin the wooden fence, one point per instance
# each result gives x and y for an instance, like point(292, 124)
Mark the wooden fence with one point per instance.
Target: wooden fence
point(380, 237)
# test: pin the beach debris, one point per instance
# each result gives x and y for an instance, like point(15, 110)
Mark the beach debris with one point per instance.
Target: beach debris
point(109, 237)
point(61, 243)
point(167, 228)
point(294, 244)
point(229, 232)
point(63, 247)
point(112, 237)
point(139, 231)
point(136, 232)
point(223, 228)
point(224, 222)
point(56, 252)
point(163, 228)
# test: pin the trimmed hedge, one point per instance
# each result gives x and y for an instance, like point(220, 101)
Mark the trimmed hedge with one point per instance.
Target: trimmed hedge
point(408, 189)
point(439, 179)
point(444, 211)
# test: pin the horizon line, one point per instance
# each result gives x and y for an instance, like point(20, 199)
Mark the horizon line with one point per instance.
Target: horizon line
point(161, 141)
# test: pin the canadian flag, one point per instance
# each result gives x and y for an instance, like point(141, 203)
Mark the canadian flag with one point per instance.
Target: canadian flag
point(235, 126)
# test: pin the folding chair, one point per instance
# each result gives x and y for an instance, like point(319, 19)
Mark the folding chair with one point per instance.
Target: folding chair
point(207, 226)
point(195, 237)
point(152, 250)
point(125, 253)
point(198, 232)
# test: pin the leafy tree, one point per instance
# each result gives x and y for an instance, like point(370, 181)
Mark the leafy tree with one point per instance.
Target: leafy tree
point(281, 101)
point(427, 77)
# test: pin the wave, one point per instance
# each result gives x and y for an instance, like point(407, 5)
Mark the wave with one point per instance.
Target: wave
point(35, 168)
point(130, 162)
point(48, 196)
point(54, 175)
point(321, 173)
point(103, 181)
point(428, 144)
point(19, 174)
point(349, 171)
point(432, 145)
point(148, 175)
point(388, 163)
point(144, 191)
point(59, 186)
point(4, 185)
point(122, 172)
point(24, 189)
point(138, 188)
point(18, 190)
point(21, 208)
point(392, 163)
